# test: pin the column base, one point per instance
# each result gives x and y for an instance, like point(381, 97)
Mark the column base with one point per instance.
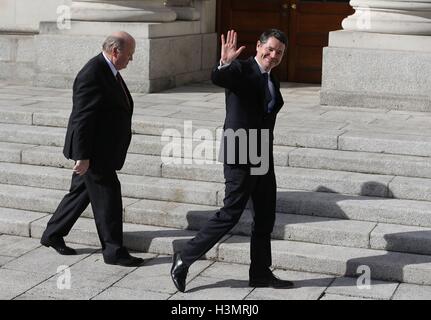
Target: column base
point(17, 57)
point(167, 54)
point(377, 71)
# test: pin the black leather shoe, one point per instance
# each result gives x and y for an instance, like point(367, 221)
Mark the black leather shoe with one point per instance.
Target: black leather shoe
point(129, 261)
point(60, 247)
point(179, 272)
point(270, 281)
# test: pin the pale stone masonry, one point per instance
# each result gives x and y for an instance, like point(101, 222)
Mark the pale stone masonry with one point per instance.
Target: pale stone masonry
point(353, 191)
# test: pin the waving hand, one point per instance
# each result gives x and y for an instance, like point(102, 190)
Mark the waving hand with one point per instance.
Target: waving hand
point(229, 51)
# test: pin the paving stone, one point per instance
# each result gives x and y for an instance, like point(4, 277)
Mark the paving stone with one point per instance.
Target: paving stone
point(5, 259)
point(45, 261)
point(341, 297)
point(203, 288)
point(307, 286)
point(28, 296)
point(408, 291)
point(347, 286)
point(155, 275)
point(82, 286)
point(95, 264)
point(119, 293)
point(15, 282)
point(13, 246)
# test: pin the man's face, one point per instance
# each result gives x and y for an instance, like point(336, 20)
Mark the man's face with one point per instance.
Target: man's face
point(270, 54)
point(121, 58)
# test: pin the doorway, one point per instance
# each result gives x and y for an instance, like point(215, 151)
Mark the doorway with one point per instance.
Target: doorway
point(306, 23)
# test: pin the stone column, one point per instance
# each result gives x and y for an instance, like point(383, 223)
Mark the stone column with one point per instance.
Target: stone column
point(122, 11)
point(184, 9)
point(382, 58)
point(390, 16)
point(169, 52)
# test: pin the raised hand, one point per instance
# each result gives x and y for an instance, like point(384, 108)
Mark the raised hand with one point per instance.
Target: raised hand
point(229, 51)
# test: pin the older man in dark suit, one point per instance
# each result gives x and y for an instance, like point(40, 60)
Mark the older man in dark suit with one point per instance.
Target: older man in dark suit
point(253, 100)
point(98, 136)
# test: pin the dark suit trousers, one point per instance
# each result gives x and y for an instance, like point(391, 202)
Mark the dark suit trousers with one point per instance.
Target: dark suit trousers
point(103, 191)
point(239, 187)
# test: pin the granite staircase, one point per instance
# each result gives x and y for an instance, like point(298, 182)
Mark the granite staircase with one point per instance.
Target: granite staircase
point(354, 185)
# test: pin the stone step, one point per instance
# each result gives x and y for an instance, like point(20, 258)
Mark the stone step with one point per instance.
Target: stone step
point(137, 164)
point(38, 200)
point(292, 255)
point(193, 217)
point(51, 133)
point(145, 158)
point(16, 201)
point(362, 162)
point(27, 134)
point(11, 152)
point(132, 186)
point(383, 265)
point(174, 186)
point(287, 226)
point(326, 205)
point(339, 206)
point(312, 229)
point(296, 178)
point(392, 143)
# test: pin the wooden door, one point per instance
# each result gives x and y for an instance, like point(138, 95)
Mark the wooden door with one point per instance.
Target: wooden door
point(306, 23)
point(250, 18)
point(309, 27)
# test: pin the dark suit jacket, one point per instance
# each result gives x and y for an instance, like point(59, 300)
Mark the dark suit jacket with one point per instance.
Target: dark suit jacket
point(247, 100)
point(99, 126)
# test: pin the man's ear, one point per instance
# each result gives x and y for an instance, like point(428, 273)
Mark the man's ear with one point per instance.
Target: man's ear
point(258, 44)
point(115, 52)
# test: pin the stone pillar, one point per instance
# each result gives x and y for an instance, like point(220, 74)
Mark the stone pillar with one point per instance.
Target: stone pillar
point(390, 16)
point(169, 52)
point(184, 9)
point(122, 10)
point(382, 58)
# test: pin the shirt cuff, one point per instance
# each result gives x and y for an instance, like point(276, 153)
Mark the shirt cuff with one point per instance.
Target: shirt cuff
point(222, 66)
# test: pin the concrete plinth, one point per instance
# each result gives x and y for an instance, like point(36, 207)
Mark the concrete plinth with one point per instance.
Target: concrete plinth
point(375, 70)
point(17, 57)
point(167, 54)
